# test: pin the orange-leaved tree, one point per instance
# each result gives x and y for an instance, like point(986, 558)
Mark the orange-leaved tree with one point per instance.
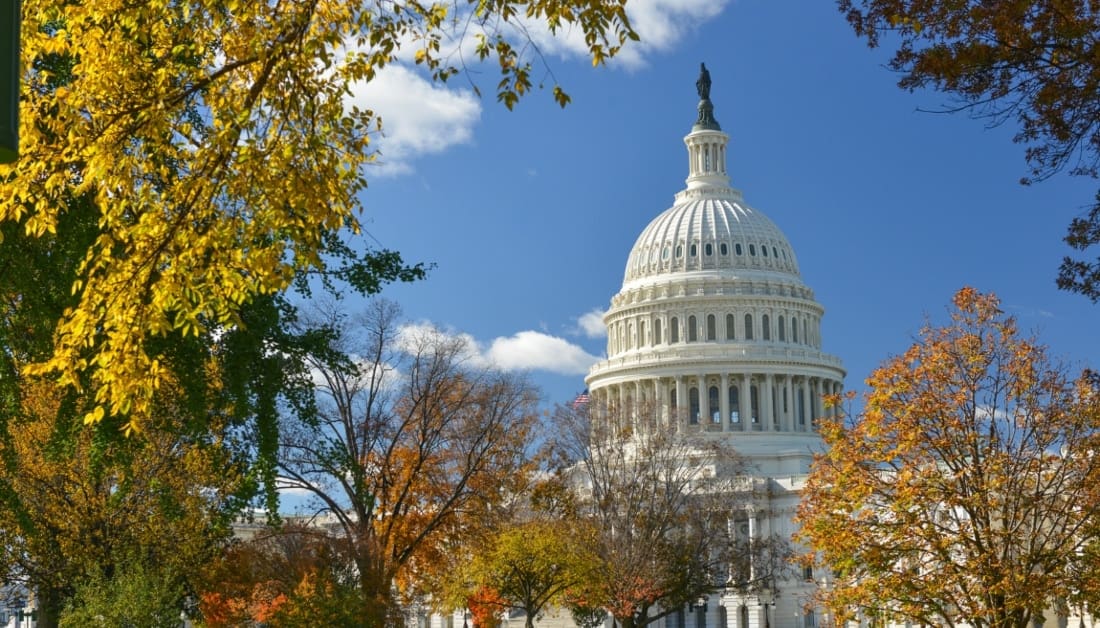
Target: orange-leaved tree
point(966, 490)
point(409, 448)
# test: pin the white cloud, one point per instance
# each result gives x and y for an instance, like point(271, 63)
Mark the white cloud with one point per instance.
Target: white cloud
point(524, 351)
point(534, 350)
point(591, 324)
point(660, 24)
point(418, 117)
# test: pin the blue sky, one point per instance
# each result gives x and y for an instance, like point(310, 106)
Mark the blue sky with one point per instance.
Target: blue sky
point(529, 215)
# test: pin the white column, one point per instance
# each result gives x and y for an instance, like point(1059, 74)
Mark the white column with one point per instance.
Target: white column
point(682, 404)
point(807, 405)
point(704, 400)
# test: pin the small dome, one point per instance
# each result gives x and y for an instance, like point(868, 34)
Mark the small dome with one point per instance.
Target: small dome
point(711, 233)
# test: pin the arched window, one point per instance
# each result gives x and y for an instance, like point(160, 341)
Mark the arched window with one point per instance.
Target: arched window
point(737, 248)
point(692, 330)
point(712, 402)
point(657, 332)
point(724, 248)
point(641, 334)
point(630, 336)
point(693, 403)
point(679, 251)
point(748, 327)
point(673, 330)
point(755, 410)
point(752, 250)
point(729, 327)
point(805, 333)
point(672, 397)
point(735, 407)
point(794, 329)
point(782, 329)
point(766, 332)
point(712, 331)
point(708, 249)
point(694, 249)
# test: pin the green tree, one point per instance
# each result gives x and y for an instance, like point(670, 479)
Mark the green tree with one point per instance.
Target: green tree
point(965, 492)
point(207, 185)
point(79, 508)
point(1034, 62)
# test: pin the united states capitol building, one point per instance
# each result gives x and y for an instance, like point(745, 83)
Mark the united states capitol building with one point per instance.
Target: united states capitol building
point(714, 326)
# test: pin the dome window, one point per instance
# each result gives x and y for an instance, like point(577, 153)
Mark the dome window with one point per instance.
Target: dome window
point(724, 249)
point(664, 253)
point(679, 251)
point(782, 329)
point(674, 330)
point(775, 252)
point(693, 400)
point(694, 250)
point(692, 334)
point(657, 332)
point(752, 250)
point(712, 331)
point(764, 250)
point(784, 255)
point(729, 327)
point(794, 329)
point(766, 327)
point(748, 327)
point(737, 248)
point(708, 249)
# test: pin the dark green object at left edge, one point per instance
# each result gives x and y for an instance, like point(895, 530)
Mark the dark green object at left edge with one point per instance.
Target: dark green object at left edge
point(9, 80)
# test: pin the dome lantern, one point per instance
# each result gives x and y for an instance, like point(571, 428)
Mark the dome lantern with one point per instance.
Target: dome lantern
point(706, 143)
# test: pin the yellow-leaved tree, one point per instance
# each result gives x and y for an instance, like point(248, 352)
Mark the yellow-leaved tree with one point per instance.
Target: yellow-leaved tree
point(214, 143)
point(965, 492)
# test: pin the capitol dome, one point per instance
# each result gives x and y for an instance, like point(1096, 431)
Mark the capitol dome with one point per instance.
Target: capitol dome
point(713, 326)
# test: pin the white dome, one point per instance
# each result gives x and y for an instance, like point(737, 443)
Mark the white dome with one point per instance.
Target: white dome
point(716, 233)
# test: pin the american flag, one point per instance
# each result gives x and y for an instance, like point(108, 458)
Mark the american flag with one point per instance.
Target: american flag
point(581, 400)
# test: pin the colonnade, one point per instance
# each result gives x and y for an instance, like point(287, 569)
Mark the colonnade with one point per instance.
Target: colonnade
point(727, 401)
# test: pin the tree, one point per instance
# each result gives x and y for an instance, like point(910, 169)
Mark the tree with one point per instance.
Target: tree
point(79, 508)
point(965, 492)
point(533, 564)
point(1034, 62)
point(662, 505)
point(410, 448)
point(209, 186)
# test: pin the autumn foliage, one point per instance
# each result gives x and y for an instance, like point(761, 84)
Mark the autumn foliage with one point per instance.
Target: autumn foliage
point(965, 491)
point(210, 186)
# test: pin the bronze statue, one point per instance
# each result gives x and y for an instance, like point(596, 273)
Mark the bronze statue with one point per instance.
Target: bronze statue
point(703, 84)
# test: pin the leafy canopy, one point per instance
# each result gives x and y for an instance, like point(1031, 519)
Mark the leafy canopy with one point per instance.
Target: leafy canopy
point(965, 491)
point(218, 150)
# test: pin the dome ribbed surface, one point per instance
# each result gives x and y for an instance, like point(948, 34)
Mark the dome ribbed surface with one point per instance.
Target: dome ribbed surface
point(710, 234)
